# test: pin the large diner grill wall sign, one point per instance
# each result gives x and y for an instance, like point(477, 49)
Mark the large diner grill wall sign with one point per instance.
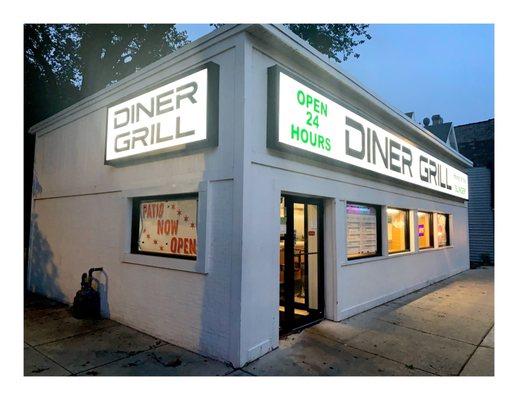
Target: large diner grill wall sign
point(173, 116)
point(303, 121)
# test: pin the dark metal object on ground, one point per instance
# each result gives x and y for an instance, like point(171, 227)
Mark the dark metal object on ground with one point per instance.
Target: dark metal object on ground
point(87, 303)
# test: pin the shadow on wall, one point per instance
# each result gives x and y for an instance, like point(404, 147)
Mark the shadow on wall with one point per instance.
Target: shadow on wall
point(100, 283)
point(43, 271)
point(28, 225)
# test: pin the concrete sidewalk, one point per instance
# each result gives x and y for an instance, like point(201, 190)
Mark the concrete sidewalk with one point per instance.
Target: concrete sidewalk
point(444, 329)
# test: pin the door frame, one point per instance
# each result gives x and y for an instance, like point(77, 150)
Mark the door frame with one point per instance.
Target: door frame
point(289, 273)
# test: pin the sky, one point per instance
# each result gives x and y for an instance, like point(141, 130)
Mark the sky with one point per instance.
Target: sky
point(430, 69)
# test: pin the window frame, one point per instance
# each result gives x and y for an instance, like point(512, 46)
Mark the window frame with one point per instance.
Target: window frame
point(408, 246)
point(135, 219)
point(379, 240)
point(431, 229)
point(448, 239)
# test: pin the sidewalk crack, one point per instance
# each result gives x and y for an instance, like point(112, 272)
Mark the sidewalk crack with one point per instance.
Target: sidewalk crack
point(476, 348)
point(50, 358)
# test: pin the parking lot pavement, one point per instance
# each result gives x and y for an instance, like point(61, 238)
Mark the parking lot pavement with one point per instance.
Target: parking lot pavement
point(443, 329)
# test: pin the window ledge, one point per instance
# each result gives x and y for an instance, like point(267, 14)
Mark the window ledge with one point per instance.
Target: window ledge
point(435, 248)
point(178, 264)
point(352, 263)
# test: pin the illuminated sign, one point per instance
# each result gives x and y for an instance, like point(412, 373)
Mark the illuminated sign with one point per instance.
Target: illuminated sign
point(420, 229)
point(302, 120)
point(176, 116)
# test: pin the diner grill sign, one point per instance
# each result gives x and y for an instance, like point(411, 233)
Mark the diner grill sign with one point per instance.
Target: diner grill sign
point(175, 116)
point(304, 121)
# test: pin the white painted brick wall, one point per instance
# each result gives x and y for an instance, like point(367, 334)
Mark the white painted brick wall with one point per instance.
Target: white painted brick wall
point(78, 220)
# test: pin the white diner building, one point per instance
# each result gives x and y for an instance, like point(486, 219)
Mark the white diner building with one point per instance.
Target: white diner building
point(241, 188)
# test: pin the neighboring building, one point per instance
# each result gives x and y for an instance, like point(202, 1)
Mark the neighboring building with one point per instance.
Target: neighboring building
point(242, 187)
point(476, 142)
point(444, 131)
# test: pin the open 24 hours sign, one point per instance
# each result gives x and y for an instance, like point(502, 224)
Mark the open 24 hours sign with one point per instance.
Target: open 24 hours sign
point(302, 120)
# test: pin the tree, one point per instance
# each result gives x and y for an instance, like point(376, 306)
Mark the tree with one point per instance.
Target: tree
point(65, 63)
point(337, 41)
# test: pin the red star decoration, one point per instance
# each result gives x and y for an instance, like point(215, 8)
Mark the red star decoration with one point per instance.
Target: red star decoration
point(192, 225)
point(155, 241)
point(179, 212)
point(173, 206)
point(148, 235)
point(186, 218)
point(161, 247)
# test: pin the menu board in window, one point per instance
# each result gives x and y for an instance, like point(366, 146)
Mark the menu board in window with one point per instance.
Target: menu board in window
point(362, 232)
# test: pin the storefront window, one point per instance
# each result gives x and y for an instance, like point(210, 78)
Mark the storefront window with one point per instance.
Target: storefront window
point(425, 229)
point(443, 230)
point(363, 230)
point(165, 225)
point(398, 230)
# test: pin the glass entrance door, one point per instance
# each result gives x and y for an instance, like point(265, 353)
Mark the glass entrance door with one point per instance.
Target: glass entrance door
point(301, 262)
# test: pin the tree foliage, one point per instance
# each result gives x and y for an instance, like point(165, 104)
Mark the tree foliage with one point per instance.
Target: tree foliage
point(337, 41)
point(67, 62)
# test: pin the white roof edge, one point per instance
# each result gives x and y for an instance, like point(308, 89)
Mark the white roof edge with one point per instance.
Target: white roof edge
point(287, 37)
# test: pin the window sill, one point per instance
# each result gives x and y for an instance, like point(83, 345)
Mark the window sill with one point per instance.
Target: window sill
point(400, 253)
point(178, 264)
point(435, 248)
point(352, 263)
